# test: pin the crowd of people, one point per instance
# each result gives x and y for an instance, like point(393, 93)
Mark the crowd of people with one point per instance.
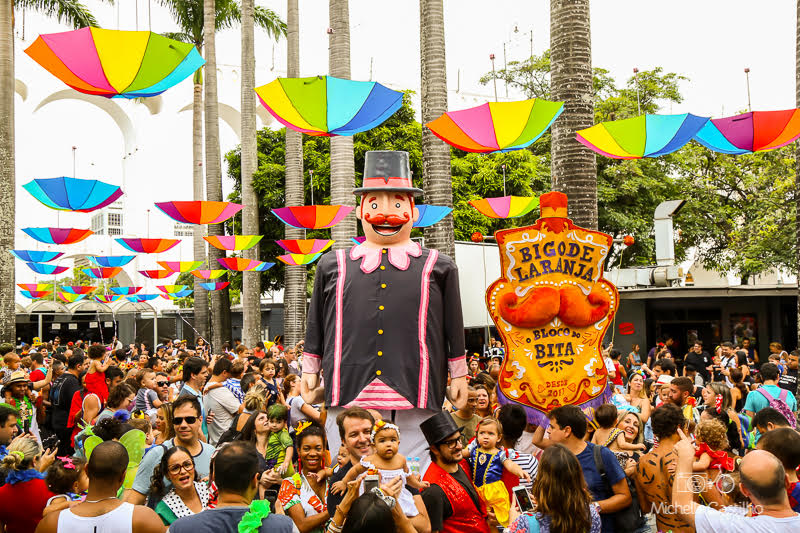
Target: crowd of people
point(112, 438)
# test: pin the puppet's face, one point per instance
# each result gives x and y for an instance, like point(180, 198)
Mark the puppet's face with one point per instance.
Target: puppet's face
point(387, 217)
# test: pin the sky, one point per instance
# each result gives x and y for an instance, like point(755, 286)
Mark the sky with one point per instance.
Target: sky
point(710, 42)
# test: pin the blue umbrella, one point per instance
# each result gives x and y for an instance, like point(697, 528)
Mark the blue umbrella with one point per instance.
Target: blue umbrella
point(35, 256)
point(44, 268)
point(431, 214)
point(111, 261)
point(73, 194)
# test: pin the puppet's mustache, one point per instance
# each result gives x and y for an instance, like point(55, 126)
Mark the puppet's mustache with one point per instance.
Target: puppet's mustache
point(381, 219)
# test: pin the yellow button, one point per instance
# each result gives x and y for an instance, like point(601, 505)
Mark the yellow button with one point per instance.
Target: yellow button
point(383, 285)
point(383, 251)
point(380, 332)
point(380, 354)
point(383, 267)
point(378, 372)
point(380, 307)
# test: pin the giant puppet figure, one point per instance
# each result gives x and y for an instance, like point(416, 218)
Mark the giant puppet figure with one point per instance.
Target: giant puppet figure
point(552, 308)
point(385, 325)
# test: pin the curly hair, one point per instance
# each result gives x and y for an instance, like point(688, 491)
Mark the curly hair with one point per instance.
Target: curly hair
point(312, 430)
point(157, 487)
point(666, 420)
point(61, 479)
point(561, 492)
point(712, 432)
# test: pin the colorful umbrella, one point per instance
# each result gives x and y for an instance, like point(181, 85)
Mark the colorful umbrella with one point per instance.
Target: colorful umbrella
point(199, 212)
point(48, 270)
point(136, 298)
point(70, 298)
point(77, 289)
point(111, 261)
point(157, 274)
point(431, 214)
point(642, 136)
point(298, 259)
point(35, 287)
point(148, 246)
point(106, 298)
point(751, 132)
point(58, 235)
point(496, 126)
point(240, 264)
point(102, 272)
point(73, 194)
point(179, 294)
point(35, 256)
point(171, 288)
point(233, 242)
point(180, 266)
point(312, 216)
point(324, 105)
point(114, 63)
point(125, 291)
point(208, 274)
point(33, 295)
point(305, 246)
point(215, 285)
point(358, 240)
point(505, 206)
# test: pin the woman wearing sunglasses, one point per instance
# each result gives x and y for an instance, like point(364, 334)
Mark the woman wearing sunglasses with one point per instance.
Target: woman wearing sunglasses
point(187, 496)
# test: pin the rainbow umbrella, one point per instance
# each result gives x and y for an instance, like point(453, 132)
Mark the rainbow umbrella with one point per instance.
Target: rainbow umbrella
point(215, 285)
point(312, 216)
point(58, 235)
point(240, 264)
point(305, 246)
point(111, 261)
point(505, 206)
point(171, 288)
point(125, 291)
point(114, 63)
point(102, 272)
point(136, 298)
point(208, 274)
point(642, 136)
point(106, 298)
point(77, 289)
point(179, 294)
point(44, 268)
point(358, 240)
point(431, 214)
point(148, 246)
point(35, 287)
point(298, 259)
point(70, 298)
point(751, 132)
point(199, 211)
point(157, 274)
point(233, 242)
point(73, 194)
point(33, 295)
point(180, 266)
point(328, 106)
point(496, 126)
point(35, 256)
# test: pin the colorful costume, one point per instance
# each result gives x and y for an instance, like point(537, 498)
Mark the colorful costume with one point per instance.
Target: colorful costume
point(487, 469)
point(296, 491)
point(275, 454)
point(719, 458)
point(96, 383)
point(468, 515)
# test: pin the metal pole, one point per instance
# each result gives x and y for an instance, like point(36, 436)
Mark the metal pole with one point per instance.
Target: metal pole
point(311, 183)
point(41, 329)
point(504, 179)
point(531, 43)
point(747, 76)
point(505, 67)
point(494, 77)
point(155, 328)
point(636, 81)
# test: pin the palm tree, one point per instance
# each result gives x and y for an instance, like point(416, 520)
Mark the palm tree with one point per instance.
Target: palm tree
point(294, 294)
point(573, 166)
point(437, 182)
point(342, 161)
point(66, 11)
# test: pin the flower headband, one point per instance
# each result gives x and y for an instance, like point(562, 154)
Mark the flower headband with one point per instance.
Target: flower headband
point(380, 425)
point(67, 463)
point(301, 427)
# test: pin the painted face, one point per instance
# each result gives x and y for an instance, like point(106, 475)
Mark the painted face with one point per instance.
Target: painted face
point(387, 217)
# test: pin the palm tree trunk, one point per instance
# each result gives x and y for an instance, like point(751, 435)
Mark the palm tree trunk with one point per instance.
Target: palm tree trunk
point(8, 323)
point(573, 166)
point(251, 281)
point(436, 179)
point(199, 245)
point(294, 295)
point(220, 332)
point(342, 159)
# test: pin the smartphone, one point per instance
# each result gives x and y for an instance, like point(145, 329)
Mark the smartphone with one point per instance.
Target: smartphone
point(524, 500)
point(371, 482)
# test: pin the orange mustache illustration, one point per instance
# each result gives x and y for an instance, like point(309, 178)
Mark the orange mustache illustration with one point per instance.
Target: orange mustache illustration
point(545, 303)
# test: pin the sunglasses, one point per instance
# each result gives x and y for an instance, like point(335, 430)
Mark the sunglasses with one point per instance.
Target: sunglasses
point(176, 468)
point(162, 383)
point(178, 420)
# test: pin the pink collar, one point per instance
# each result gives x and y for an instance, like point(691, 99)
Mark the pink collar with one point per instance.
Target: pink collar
point(398, 255)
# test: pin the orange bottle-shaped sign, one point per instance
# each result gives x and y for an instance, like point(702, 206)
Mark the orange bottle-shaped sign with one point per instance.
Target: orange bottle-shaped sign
point(552, 308)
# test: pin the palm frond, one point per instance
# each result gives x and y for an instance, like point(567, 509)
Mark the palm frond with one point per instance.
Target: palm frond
point(70, 12)
point(269, 21)
point(179, 36)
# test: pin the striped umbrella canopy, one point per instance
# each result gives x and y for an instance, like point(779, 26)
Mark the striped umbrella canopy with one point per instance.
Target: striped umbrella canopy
point(328, 106)
point(36, 256)
point(106, 298)
point(215, 285)
point(136, 298)
point(171, 288)
point(240, 264)
point(111, 261)
point(73, 194)
point(47, 269)
point(115, 63)
point(180, 266)
point(312, 216)
point(233, 242)
point(751, 132)
point(70, 298)
point(157, 274)
point(58, 235)
point(148, 246)
point(431, 214)
point(33, 295)
point(208, 274)
point(33, 287)
point(305, 246)
point(505, 206)
point(125, 291)
point(102, 272)
point(298, 259)
point(199, 211)
point(179, 294)
point(77, 289)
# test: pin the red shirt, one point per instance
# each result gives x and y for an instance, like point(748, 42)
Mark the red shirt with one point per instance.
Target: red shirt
point(29, 499)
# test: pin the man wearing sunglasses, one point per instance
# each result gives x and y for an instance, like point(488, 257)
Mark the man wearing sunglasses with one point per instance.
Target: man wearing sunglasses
point(186, 422)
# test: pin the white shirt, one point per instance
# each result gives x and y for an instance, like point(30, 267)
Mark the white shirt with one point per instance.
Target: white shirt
point(710, 520)
point(120, 520)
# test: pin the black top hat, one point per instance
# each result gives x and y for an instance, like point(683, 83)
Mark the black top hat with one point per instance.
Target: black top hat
point(387, 170)
point(438, 427)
